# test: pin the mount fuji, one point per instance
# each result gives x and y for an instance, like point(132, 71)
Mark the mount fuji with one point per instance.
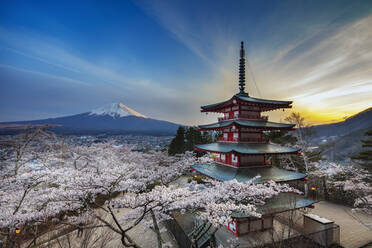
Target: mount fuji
point(116, 110)
point(115, 118)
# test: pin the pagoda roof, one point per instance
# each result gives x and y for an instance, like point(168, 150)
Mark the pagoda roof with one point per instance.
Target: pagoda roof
point(248, 123)
point(246, 98)
point(247, 148)
point(245, 174)
point(277, 204)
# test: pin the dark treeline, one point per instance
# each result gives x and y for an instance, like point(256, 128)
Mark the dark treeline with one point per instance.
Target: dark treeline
point(186, 139)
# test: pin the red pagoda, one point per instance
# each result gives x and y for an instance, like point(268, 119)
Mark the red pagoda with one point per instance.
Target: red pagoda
point(242, 152)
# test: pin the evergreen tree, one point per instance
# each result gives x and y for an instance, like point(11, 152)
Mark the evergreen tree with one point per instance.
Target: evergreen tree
point(206, 138)
point(186, 139)
point(193, 137)
point(177, 145)
point(365, 155)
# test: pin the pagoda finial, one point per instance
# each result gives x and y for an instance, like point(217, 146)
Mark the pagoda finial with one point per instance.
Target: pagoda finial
point(242, 69)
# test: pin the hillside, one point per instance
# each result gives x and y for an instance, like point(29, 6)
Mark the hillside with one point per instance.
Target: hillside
point(359, 121)
point(341, 140)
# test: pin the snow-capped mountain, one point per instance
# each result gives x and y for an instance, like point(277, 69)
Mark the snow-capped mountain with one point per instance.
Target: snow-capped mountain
point(116, 110)
point(112, 118)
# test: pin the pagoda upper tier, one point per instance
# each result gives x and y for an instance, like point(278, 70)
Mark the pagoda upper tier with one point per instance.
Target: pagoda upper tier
point(243, 102)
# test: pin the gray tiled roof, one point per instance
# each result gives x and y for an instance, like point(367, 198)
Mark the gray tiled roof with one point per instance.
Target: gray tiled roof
point(266, 173)
point(248, 123)
point(258, 100)
point(280, 203)
point(247, 98)
point(247, 148)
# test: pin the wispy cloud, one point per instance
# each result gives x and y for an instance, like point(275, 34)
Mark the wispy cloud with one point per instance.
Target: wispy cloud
point(319, 57)
point(326, 71)
point(87, 73)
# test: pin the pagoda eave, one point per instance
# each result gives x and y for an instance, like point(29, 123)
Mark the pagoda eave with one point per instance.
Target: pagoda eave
point(253, 128)
point(254, 124)
point(264, 104)
point(278, 204)
point(246, 174)
point(247, 148)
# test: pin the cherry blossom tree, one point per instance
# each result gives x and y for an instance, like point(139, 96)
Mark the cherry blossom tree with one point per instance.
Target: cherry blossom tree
point(75, 184)
point(303, 134)
point(348, 178)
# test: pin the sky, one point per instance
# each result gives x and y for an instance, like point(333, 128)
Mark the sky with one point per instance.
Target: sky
point(165, 59)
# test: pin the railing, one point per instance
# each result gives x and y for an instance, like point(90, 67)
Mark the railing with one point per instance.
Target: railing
point(258, 140)
point(228, 140)
point(251, 117)
point(220, 161)
point(223, 118)
point(242, 164)
point(319, 237)
point(326, 237)
point(254, 117)
point(247, 140)
point(245, 164)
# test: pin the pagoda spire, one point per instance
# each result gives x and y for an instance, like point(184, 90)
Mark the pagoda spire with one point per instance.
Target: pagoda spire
point(242, 70)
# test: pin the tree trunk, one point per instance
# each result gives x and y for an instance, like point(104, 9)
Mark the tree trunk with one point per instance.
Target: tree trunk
point(131, 242)
point(156, 229)
point(326, 196)
point(307, 171)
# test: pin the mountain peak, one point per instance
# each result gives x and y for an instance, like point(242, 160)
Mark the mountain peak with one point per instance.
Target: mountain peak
point(116, 110)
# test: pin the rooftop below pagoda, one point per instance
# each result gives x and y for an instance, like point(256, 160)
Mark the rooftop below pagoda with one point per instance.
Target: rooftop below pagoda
point(247, 148)
point(245, 174)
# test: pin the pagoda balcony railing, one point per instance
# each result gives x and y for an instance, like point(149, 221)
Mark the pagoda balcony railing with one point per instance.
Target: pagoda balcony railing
point(254, 117)
point(224, 162)
point(247, 140)
point(245, 164)
point(250, 117)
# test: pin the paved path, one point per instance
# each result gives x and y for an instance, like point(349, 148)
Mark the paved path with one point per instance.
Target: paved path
point(356, 228)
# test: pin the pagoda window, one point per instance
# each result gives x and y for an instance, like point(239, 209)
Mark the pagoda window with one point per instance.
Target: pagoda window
point(225, 136)
point(223, 157)
point(235, 108)
point(232, 226)
point(234, 159)
point(236, 114)
point(236, 136)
